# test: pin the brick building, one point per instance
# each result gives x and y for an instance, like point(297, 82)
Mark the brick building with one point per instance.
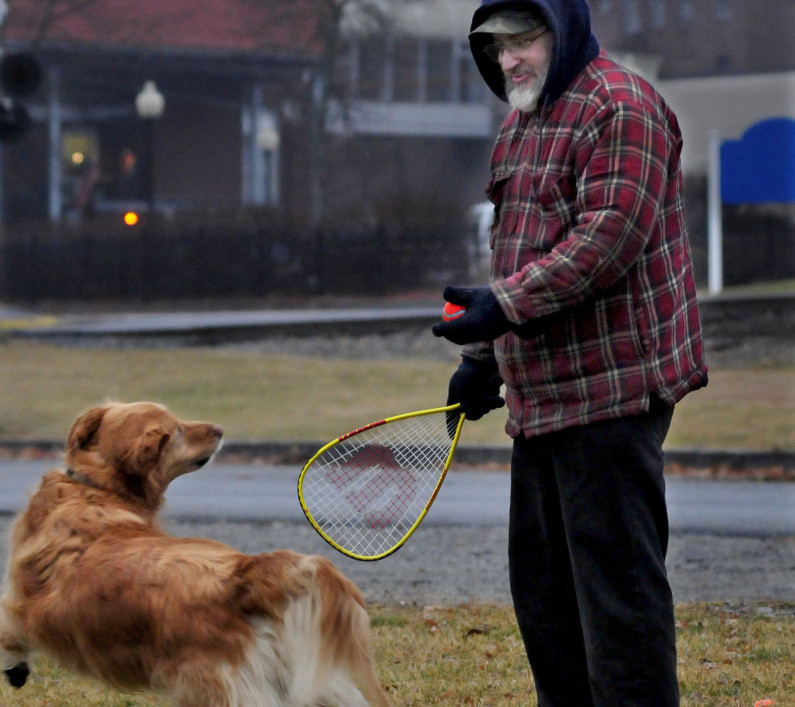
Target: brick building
point(701, 37)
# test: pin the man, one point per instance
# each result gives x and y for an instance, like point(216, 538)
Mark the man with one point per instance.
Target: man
point(591, 322)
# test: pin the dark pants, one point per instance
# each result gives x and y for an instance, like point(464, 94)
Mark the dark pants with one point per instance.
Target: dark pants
point(588, 537)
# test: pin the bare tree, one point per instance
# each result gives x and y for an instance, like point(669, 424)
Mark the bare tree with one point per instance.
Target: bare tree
point(317, 26)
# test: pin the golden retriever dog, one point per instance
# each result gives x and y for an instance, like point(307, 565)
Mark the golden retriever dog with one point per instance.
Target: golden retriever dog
point(96, 584)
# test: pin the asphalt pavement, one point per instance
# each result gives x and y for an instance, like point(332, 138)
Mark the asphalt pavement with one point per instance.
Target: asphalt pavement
point(254, 492)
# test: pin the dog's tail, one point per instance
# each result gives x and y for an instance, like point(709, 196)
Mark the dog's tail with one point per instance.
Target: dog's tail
point(324, 624)
point(345, 629)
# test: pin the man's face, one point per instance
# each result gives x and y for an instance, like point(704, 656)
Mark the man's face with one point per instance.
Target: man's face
point(524, 59)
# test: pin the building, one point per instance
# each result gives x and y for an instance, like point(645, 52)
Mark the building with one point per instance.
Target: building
point(700, 37)
point(240, 81)
point(212, 65)
point(407, 122)
point(238, 78)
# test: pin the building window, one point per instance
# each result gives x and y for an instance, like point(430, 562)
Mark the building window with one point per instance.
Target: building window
point(472, 88)
point(346, 70)
point(440, 70)
point(388, 88)
point(409, 70)
point(405, 60)
point(373, 63)
point(723, 10)
point(631, 18)
point(657, 14)
point(687, 10)
point(723, 64)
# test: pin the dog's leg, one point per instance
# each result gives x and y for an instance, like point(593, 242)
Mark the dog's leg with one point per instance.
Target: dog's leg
point(13, 648)
point(345, 626)
point(195, 685)
point(361, 662)
point(353, 682)
point(210, 683)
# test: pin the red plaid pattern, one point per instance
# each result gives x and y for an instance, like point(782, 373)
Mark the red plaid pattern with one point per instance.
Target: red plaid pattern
point(589, 242)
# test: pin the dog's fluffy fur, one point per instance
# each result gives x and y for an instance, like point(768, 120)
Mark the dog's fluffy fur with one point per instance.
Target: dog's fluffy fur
point(94, 582)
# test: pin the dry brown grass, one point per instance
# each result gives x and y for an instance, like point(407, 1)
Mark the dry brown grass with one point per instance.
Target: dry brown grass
point(729, 656)
point(303, 398)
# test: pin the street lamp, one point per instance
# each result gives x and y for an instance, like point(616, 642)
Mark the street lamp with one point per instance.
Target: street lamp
point(149, 104)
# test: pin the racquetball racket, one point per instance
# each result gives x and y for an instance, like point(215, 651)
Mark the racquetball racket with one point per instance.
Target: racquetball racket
point(367, 491)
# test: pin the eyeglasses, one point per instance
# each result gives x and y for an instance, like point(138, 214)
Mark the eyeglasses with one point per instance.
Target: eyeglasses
point(512, 45)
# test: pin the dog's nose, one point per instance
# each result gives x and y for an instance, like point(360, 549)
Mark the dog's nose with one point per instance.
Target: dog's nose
point(218, 431)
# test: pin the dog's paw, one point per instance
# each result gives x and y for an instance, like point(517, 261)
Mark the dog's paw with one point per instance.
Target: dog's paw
point(18, 675)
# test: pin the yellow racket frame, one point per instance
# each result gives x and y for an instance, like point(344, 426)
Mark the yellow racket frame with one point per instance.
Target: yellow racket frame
point(379, 423)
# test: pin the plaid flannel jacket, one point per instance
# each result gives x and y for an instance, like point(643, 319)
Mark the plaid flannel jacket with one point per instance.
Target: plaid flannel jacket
point(590, 253)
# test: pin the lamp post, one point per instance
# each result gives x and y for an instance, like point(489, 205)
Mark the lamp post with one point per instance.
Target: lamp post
point(149, 104)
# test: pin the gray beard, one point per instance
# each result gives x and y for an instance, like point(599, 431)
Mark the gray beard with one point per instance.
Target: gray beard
point(525, 99)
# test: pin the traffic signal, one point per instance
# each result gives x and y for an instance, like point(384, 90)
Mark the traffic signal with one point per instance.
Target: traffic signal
point(20, 76)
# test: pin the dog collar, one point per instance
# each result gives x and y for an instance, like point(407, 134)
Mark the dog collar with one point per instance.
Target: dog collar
point(82, 479)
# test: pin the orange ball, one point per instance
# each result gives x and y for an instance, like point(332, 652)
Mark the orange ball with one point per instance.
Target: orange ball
point(452, 311)
point(765, 703)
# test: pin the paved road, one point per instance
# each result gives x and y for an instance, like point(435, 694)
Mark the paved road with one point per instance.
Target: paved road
point(247, 492)
point(741, 548)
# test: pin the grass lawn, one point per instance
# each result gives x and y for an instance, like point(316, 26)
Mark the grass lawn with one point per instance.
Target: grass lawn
point(265, 397)
point(453, 656)
point(473, 655)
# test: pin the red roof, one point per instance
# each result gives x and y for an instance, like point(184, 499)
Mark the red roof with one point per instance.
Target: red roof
point(260, 26)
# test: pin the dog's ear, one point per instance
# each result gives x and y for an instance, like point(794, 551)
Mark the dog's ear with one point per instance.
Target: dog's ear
point(146, 451)
point(84, 428)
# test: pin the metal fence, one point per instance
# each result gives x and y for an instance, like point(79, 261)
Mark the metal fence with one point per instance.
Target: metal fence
point(220, 257)
point(255, 253)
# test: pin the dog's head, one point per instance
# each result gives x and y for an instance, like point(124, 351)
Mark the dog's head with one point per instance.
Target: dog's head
point(137, 449)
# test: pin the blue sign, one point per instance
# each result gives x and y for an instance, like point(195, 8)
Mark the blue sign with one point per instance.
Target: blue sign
point(760, 166)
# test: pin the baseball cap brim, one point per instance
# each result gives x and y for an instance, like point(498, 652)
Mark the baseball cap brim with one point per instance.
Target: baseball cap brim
point(509, 22)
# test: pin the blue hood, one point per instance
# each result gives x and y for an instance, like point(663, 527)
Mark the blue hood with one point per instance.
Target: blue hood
point(575, 46)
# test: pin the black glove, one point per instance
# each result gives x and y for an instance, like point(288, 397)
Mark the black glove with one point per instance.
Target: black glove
point(476, 385)
point(18, 675)
point(484, 319)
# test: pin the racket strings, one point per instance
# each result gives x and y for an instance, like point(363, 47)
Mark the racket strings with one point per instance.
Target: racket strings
point(368, 491)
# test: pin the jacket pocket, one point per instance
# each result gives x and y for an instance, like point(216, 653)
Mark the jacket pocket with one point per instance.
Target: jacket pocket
point(496, 192)
point(550, 215)
point(642, 329)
